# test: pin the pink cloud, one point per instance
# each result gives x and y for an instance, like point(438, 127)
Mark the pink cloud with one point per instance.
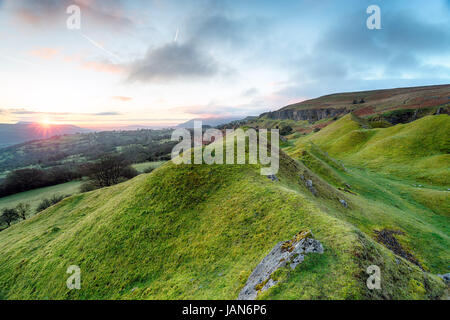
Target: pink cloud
point(44, 53)
point(122, 98)
point(103, 67)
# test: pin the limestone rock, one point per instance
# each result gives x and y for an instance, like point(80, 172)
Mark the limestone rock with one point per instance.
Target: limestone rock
point(285, 253)
point(309, 185)
point(445, 277)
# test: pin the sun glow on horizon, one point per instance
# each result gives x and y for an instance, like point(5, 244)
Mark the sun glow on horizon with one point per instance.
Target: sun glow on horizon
point(45, 122)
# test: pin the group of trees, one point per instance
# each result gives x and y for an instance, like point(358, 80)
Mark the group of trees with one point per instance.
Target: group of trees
point(21, 211)
point(9, 215)
point(33, 178)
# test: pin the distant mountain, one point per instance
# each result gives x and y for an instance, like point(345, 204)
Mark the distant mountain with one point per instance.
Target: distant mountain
point(212, 122)
point(11, 134)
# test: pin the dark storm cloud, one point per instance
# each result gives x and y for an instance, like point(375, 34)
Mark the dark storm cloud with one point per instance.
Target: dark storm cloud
point(173, 61)
point(205, 38)
point(347, 53)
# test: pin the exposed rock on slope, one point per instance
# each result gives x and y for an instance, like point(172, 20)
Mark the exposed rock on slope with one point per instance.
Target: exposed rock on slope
point(306, 114)
point(290, 252)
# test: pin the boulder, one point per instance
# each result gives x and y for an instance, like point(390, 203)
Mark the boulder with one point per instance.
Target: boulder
point(309, 185)
point(285, 253)
point(445, 277)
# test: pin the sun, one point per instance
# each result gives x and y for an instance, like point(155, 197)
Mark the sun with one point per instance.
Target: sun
point(46, 122)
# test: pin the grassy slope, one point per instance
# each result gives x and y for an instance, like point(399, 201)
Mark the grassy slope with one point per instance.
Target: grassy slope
point(389, 201)
point(197, 232)
point(141, 167)
point(417, 151)
point(381, 100)
point(34, 197)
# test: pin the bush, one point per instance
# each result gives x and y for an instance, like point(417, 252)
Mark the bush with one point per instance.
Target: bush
point(286, 130)
point(149, 170)
point(89, 186)
point(316, 129)
point(46, 203)
point(22, 210)
point(9, 215)
point(129, 172)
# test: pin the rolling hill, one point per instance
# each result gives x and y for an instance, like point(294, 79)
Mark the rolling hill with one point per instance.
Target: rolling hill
point(364, 103)
point(419, 150)
point(198, 231)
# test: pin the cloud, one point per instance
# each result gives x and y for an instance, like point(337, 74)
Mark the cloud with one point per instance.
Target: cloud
point(103, 66)
point(47, 12)
point(108, 113)
point(212, 110)
point(250, 92)
point(122, 98)
point(44, 53)
point(348, 56)
point(173, 61)
point(23, 111)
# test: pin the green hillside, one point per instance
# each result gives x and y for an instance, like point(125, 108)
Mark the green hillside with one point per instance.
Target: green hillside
point(198, 231)
point(419, 150)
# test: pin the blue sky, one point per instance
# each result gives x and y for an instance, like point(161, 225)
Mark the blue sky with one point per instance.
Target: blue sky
point(159, 63)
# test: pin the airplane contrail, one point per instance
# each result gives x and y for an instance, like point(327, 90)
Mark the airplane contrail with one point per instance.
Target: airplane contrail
point(176, 35)
point(96, 44)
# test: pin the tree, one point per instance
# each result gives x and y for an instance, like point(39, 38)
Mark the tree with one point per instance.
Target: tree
point(109, 170)
point(9, 215)
point(22, 210)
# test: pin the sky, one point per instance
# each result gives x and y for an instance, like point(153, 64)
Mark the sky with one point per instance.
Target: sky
point(160, 63)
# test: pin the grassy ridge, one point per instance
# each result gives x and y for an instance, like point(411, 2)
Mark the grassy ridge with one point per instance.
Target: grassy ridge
point(417, 151)
point(197, 232)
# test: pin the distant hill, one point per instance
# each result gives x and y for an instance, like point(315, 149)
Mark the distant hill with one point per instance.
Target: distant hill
point(11, 134)
point(138, 145)
point(365, 103)
point(212, 122)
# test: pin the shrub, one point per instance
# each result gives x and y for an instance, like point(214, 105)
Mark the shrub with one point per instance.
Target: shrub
point(149, 170)
point(89, 186)
point(22, 210)
point(129, 172)
point(9, 215)
point(286, 130)
point(46, 203)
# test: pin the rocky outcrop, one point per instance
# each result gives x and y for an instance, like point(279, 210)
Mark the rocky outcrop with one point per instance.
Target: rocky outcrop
point(305, 114)
point(285, 253)
point(445, 277)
